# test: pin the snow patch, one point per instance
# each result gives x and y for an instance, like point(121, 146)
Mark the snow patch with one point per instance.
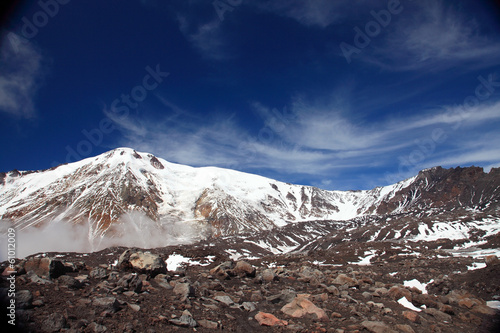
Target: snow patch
point(366, 261)
point(476, 265)
point(493, 304)
point(417, 284)
point(407, 304)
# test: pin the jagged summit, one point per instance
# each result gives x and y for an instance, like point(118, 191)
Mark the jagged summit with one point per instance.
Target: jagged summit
point(99, 190)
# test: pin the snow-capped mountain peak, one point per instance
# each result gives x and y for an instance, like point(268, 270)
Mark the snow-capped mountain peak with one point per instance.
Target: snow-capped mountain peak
point(99, 190)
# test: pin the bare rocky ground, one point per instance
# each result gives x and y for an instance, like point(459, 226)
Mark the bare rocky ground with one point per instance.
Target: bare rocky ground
point(315, 291)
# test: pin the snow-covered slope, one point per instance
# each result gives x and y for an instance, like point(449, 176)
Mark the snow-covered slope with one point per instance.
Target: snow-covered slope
point(101, 189)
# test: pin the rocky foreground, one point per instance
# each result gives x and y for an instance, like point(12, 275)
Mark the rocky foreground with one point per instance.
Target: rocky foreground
point(133, 290)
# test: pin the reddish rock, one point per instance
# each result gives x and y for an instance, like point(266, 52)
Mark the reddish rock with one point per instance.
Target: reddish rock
point(467, 303)
point(397, 292)
point(267, 319)
point(8, 271)
point(301, 306)
point(446, 309)
point(411, 316)
point(342, 279)
point(491, 260)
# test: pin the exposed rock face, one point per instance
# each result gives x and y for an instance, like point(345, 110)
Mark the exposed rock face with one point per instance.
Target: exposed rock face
point(122, 181)
point(447, 189)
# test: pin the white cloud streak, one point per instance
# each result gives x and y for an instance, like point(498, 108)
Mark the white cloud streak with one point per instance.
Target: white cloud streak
point(435, 36)
point(208, 38)
point(20, 75)
point(322, 142)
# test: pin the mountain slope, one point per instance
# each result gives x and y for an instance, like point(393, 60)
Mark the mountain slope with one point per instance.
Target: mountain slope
point(100, 190)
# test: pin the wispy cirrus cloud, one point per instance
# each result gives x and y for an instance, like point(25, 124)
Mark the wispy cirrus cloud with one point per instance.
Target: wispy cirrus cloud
point(314, 13)
point(207, 38)
point(319, 13)
point(436, 36)
point(322, 143)
point(21, 72)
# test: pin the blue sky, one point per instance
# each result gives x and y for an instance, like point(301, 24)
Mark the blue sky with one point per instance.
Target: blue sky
point(335, 94)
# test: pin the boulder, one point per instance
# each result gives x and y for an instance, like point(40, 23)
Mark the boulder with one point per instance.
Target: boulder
point(109, 304)
point(224, 299)
point(243, 268)
point(45, 267)
point(440, 316)
point(268, 275)
point(286, 296)
point(69, 282)
point(130, 282)
point(301, 306)
point(208, 324)
point(184, 290)
point(161, 280)
point(397, 292)
point(411, 316)
point(142, 262)
point(267, 319)
point(185, 320)
point(377, 327)
point(222, 271)
point(248, 306)
point(343, 279)
point(98, 273)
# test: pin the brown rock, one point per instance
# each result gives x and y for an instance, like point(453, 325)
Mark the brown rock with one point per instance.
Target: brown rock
point(397, 292)
point(256, 296)
point(267, 319)
point(110, 304)
point(336, 315)
point(184, 290)
point(301, 306)
point(424, 299)
point(405, 328)
point(45, 267)
point(491, 260)
point(411, 316)
point(268, 275)
point(342, 279)
point(466, 303)
point(221, 271)
point(469, 318)
point(483, 309)
point(8, 271)
point(446, 309)
point(440, 316)
point(377, 327)
point(208, 324)
point(243, 268)
point(333, 290)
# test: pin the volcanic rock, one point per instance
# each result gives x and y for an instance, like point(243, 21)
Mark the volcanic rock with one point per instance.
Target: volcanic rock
point(267, 319)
